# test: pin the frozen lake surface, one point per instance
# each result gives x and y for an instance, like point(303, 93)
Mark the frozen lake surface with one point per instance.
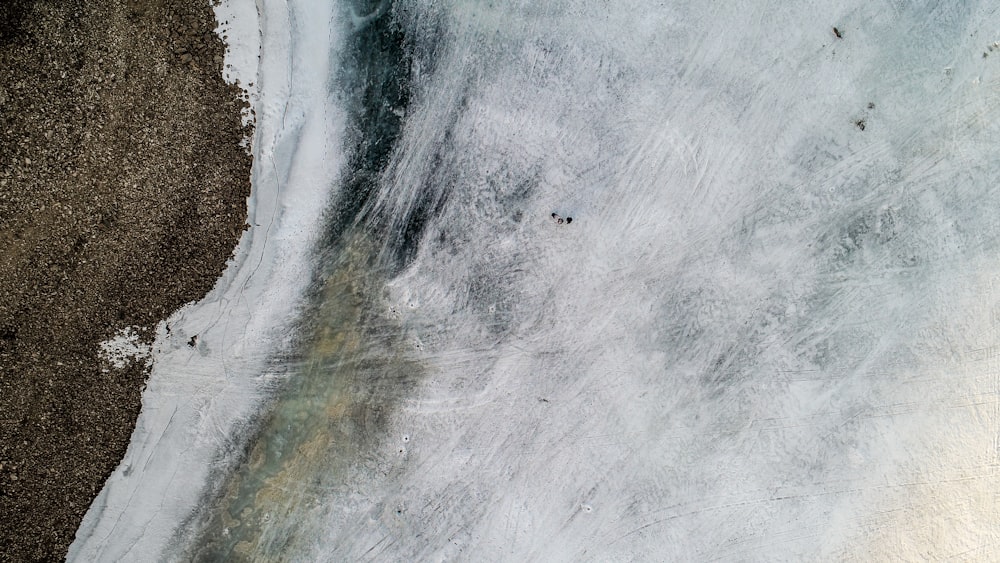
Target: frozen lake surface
point(770, 332)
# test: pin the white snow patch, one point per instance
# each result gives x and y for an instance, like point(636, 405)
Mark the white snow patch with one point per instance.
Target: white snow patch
point(125, 347)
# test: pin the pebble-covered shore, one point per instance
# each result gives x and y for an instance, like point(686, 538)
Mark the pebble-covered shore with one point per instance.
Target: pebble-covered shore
point(122, 194)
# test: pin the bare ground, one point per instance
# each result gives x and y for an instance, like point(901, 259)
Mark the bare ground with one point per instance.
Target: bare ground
point(122, 195)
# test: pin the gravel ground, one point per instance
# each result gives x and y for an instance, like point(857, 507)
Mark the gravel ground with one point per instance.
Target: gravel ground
point(122, 194)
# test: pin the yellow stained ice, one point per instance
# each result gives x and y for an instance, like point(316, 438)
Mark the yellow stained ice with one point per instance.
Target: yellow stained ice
point(330, 411)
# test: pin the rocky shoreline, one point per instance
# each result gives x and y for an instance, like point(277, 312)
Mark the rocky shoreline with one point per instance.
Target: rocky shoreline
point(122, 194)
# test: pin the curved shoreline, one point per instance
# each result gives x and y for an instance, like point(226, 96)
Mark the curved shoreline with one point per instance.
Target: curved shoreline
point(199, 399)
point(123, 192)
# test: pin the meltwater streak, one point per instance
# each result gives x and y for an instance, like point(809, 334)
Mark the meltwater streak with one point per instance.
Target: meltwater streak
point(328, 415)
point(351, 374)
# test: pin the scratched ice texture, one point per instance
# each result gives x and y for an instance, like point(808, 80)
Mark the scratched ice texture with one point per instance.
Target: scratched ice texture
point(771, 331)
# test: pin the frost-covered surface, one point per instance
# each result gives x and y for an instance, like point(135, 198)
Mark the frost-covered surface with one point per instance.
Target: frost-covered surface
point(209, 358)
point(770, 332)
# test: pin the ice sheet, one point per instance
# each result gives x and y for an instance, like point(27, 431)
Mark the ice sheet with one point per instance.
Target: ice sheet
point(767, 333)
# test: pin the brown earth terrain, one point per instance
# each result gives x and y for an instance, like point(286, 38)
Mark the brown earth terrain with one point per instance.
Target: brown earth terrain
point(122, 194)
